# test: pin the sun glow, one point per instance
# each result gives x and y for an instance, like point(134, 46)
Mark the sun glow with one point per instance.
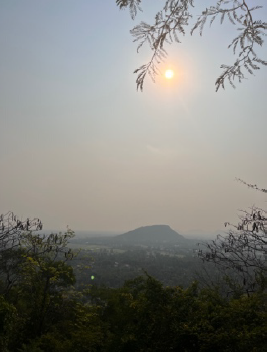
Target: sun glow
point(169, 74)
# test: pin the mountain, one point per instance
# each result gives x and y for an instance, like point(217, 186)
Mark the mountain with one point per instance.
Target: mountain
point(153, 234)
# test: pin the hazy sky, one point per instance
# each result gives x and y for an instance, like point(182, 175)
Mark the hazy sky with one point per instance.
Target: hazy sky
point(79, 146)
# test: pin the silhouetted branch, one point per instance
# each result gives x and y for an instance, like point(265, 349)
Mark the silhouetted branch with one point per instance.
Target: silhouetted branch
point(12, 228)
point(243, 249)
point(174, 17)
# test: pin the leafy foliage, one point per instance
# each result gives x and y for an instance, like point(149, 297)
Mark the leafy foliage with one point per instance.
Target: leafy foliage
point(19, 245)
point(132, 4)
point(45, 312)
point(7, 323)
point(170, 24)
point(145, 316)
point(251, 33)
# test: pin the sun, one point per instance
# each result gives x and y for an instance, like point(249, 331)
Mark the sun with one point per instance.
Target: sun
point(169, 74)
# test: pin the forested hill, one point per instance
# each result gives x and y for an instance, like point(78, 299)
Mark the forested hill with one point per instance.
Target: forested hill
point(154, 233)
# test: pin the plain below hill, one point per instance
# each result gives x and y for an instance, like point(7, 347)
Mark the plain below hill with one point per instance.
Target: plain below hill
point(151, 234)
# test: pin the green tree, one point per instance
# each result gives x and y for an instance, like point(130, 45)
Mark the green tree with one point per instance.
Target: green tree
point(143, 315)
point(35, 279)
point(7, 323)
point(41, 292)
point(173, 20)
point(79, 329)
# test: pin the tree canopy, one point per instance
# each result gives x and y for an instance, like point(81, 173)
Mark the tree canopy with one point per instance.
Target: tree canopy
point(42, 307)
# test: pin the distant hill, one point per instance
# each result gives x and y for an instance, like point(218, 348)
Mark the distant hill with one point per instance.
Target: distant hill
point(153, 234)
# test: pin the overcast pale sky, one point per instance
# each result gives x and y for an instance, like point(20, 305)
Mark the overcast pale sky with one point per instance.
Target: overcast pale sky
point(79, 146)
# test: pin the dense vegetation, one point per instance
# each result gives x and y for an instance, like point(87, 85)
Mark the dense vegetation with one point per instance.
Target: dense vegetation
point(112, 267)
point(43, 309)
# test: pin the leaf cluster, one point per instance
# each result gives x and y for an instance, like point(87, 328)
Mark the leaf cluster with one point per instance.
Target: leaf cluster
point(170, 24)
point(143, 315)
point(22, 249)
point(134, 6)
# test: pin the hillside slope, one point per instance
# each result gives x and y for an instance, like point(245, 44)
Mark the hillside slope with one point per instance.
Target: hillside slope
point(154, 233)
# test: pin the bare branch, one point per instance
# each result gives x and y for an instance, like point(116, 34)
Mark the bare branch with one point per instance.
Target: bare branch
point(243, 249)
point(252, 186)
